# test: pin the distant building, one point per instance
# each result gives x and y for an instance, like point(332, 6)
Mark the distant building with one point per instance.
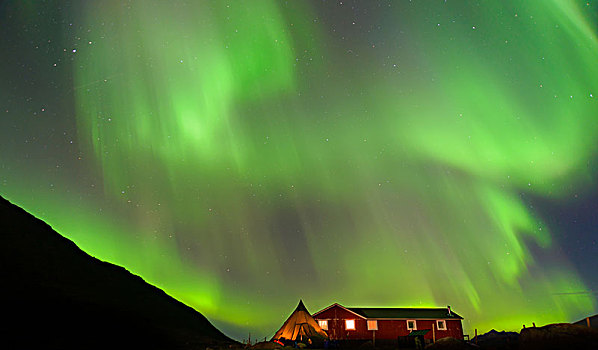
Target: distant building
point(356, 323)
point(590, 321)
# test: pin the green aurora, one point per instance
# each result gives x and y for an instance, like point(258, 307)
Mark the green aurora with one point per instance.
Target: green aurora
point(243, 155)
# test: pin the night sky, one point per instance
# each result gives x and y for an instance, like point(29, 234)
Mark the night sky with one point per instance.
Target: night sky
point(243, 155)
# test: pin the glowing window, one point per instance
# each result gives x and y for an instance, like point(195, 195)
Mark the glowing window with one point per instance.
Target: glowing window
point(411, 325)
point(350, 325)
point(323, 324)
point(441, 325)
point(372, 325)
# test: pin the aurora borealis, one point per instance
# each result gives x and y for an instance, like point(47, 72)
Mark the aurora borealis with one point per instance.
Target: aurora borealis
point(243, 155)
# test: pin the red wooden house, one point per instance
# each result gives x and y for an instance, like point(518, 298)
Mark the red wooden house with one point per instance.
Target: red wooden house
point(357, 323)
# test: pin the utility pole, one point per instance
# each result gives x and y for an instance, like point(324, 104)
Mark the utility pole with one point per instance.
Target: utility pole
point(374, 338)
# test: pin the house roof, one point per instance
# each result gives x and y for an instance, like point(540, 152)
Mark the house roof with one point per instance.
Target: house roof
point(415, 313)
point(397, 312)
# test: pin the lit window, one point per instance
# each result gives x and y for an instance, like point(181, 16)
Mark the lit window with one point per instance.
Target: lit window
point(323, 324)
point(441, 325)
point(411, 325)
point(350, 325)
point(372, 325)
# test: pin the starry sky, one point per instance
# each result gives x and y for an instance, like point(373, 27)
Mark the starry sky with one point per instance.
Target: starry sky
point(243, 155)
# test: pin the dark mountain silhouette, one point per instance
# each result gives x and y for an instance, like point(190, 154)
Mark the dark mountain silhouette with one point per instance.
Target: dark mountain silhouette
point(495, 340)
point(55, 296)
point(556, 336)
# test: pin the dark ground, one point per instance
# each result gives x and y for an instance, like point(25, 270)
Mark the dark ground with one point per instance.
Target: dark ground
point(561, 336)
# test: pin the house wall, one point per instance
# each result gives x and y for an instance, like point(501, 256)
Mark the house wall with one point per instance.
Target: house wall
point(336, 317)
point(387, 328)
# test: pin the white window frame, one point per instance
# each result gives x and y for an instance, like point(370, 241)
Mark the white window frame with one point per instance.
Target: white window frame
point(323, 324)
point(372, 325)
point(414, 325)
point(438, 326)
point(347, 327)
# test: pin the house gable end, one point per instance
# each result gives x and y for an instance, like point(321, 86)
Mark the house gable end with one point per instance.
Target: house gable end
point(336, 310)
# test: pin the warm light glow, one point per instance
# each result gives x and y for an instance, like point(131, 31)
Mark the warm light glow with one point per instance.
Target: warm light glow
point(350, 325)
point(372, 325)
point(323, 324)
